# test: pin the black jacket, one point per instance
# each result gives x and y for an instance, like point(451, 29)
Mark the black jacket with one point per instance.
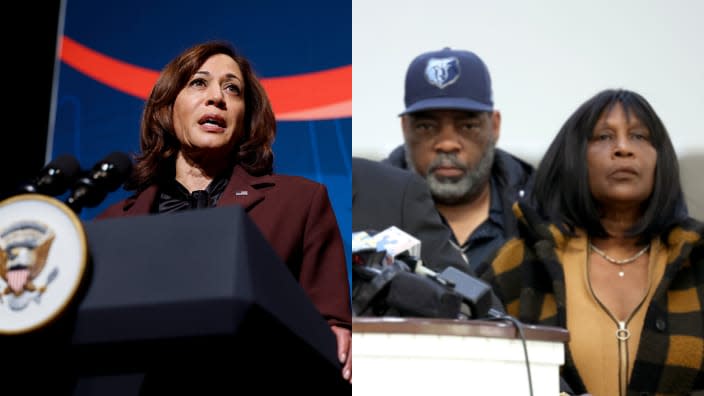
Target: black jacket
point(383, 196)
point(528, 276)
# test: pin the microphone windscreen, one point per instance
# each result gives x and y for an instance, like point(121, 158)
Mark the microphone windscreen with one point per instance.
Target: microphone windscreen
point(55, 177)
point(67, 164)
point(415, 295)
point(112, 171)
point(121, 162)
point(105, 176)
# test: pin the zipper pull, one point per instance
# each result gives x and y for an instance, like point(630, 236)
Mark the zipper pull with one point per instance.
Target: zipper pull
point(623, 333)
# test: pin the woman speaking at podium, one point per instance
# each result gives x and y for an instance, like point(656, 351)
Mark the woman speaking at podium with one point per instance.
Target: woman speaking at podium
point(206, 140)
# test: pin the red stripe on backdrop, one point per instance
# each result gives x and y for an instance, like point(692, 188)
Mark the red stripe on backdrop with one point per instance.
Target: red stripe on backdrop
point(309, 96)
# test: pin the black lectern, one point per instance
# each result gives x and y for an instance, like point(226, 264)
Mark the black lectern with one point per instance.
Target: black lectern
point(187, 303)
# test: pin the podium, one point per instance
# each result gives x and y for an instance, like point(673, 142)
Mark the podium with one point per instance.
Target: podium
point(419, 356)
point(193, 302)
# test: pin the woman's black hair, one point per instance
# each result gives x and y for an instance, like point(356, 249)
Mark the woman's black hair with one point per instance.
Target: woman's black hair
point(561, 188)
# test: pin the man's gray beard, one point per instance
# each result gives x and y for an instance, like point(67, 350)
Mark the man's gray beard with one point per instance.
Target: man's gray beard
point(447, 191)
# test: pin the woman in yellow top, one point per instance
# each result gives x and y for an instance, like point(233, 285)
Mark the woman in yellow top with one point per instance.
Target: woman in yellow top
point(608, 251)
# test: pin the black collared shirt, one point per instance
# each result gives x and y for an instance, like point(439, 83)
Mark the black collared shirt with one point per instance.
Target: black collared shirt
point(486, 238)
point(174, 197)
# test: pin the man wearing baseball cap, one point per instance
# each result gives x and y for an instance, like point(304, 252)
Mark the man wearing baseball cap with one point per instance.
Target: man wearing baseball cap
point(450, 130)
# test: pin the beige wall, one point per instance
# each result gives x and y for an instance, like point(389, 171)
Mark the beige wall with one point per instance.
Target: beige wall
point(692, 173)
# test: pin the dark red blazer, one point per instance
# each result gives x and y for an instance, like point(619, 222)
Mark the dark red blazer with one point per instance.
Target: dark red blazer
point(296, 217)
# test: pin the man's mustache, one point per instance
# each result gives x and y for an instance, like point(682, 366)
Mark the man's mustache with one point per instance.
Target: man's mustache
point(446, 160)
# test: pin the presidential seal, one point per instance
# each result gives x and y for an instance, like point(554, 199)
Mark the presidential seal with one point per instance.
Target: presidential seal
point(43, 255)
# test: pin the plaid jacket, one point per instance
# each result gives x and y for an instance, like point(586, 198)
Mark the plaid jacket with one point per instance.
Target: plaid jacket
point(529, 279)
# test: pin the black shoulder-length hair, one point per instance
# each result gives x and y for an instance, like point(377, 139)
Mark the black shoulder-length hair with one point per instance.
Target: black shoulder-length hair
point(158, 141)
point(561, 186)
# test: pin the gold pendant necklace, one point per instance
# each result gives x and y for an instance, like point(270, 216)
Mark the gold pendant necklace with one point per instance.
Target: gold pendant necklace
point(623, 331)
point(618, 262)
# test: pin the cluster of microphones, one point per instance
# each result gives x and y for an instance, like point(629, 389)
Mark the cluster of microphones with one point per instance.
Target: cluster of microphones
point(85, 188)
point(389, 279)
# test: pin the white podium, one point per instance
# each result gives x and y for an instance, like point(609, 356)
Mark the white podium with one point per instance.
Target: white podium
point(419, 356)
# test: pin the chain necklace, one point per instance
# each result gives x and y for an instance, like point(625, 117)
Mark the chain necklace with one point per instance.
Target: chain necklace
point(617, 261)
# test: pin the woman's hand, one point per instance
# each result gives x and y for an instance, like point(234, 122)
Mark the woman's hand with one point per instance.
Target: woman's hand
point(344, 350)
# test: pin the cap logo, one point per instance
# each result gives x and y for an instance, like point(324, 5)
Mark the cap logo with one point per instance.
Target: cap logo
point(442, 72)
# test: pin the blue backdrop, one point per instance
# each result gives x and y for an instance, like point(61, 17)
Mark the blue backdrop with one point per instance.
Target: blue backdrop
point(105, 45)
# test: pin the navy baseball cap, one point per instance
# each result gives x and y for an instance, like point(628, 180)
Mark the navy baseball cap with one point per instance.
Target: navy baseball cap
point(448, 80)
